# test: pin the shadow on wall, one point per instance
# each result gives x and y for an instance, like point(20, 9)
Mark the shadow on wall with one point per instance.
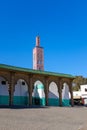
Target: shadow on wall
point(36, 98)
point(53, 100)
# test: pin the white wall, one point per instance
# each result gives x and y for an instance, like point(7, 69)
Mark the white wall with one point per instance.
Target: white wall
point(3, 88)
point(53, 91)
point(65, 91)
point(83, 92)
point(21, 90)
point(76, 93)
point(83, 87)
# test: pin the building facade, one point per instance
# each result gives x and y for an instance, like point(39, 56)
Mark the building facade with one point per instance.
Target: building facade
point(18, 86)
point(21, 86)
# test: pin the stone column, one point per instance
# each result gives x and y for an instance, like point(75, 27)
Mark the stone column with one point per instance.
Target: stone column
point(28, 92)
point(46, 88)
point(60, 94)
point(71, 92)
point(30, 89)
point(11, 88)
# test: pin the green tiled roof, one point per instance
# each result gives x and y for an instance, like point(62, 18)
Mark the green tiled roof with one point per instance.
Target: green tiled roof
point(14, 68)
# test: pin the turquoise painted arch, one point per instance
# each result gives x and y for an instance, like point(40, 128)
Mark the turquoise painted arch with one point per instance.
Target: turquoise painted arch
point(38, 94)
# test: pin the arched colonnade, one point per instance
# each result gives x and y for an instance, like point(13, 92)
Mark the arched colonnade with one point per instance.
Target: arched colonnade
point(24, 88)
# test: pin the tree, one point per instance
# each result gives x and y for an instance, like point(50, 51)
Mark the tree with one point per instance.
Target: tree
point(79, 80)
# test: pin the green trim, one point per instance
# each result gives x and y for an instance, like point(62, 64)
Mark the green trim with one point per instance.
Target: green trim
point(4, 100)
point(53, 102)
point(20, 100)
point(66, 102)
point(14, 68)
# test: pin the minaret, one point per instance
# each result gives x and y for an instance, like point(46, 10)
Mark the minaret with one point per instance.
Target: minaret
point(38, 57)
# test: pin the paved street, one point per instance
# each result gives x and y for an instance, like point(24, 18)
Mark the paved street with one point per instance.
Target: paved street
point(50, 118)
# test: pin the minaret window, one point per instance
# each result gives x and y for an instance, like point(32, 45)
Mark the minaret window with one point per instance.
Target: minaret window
point(39, 62)
point(39, 68)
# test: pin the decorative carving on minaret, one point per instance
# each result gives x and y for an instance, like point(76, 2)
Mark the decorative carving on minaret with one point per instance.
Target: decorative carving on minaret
point(38, 56)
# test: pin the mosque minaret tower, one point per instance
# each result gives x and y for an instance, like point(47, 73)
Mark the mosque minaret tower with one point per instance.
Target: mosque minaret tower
point(38, 56)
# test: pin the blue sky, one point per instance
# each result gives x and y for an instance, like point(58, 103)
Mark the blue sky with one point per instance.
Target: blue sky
point(62, 26)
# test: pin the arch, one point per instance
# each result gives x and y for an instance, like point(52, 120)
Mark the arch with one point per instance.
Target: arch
point(21, 95)
point(37, 79)
point(20, 76)
point(64, 80)
point(53, 96)
point(52, 79)
point(65, 94)
point(4, 94)
point(38, 94)
point(6, 77)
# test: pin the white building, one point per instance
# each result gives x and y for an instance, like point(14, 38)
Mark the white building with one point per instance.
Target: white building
point(81, 94)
